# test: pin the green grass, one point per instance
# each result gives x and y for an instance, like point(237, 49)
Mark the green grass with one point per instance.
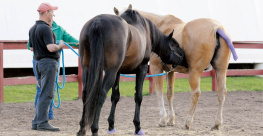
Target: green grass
point(26, 93)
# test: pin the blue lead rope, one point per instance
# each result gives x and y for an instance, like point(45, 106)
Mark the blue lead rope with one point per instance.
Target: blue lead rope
point(162, 74)
point(61, 53)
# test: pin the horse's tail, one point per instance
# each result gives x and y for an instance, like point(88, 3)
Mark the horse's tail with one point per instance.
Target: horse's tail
point(95, 74)
point(221, 31)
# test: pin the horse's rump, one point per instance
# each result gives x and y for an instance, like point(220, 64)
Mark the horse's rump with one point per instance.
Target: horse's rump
point(115, 34)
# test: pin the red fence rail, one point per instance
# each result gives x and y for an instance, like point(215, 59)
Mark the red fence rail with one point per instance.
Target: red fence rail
point(12, 45)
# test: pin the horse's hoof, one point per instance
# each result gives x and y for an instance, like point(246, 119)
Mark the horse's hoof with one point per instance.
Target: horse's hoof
point(216, 127)
point(140, 132)
point(111, 131)
point(162, 122)
point(81, 133)
point(171, 122)
point(95, 134)
point(188, 125)
point(162, 125)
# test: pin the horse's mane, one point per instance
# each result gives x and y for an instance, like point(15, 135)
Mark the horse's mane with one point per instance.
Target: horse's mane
point(156, 37)
point(132, 16)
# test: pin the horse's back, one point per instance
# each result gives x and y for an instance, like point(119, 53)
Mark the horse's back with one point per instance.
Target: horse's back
point(114, 32)
point(113, 26)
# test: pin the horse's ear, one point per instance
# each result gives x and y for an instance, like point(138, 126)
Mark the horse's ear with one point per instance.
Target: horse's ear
point(171, 35)
point(116, 11)
point(130, 6)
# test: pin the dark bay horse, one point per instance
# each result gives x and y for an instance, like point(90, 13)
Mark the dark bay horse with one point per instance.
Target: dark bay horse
point(205, 42)
point(115, 45)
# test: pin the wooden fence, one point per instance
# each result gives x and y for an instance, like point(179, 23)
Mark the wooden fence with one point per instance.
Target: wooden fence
point(13, 45)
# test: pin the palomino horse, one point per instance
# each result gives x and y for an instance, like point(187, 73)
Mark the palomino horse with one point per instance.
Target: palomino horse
point(118, 45)
point(205, 43)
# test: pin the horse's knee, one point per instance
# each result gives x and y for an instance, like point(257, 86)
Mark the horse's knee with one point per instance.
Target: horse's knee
point(102, 97)
point(169, 92)
point(224, 90)
point(196, 94)
point(115, 97)
point(221, 92)
point(138, 98)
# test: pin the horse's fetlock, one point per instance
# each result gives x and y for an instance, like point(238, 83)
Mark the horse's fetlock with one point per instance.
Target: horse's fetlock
point(94, 129)
point(136, 122)
point(110, 120)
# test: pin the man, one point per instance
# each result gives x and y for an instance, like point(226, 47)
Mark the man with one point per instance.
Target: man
point(61, 34)
point(46, 54)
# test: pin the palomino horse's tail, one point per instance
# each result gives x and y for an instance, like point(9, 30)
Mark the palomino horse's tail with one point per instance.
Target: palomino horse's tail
point(95, 74)
point(221, 32)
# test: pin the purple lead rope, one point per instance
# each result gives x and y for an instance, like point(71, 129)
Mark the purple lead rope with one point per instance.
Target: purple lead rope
point(229, 43)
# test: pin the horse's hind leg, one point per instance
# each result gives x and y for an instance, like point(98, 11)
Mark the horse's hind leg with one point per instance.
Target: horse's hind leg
point(108, 81)
point(221, 92)
point(220, 64)
point(115, 97)
point(83, 123)
point(159, 93)
point(194, 80)
point(170, 95)
point(140, 75)
point(156, 68)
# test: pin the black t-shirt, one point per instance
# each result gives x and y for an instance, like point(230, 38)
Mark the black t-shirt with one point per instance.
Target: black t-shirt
point(40, 35)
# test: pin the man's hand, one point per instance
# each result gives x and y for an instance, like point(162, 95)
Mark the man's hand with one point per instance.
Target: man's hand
point(61, 44)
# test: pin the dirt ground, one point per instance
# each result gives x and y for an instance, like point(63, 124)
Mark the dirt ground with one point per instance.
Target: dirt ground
point(243, 116)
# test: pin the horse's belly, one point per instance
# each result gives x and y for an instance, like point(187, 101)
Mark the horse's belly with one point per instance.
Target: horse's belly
point(130, 65)
point(135, 55)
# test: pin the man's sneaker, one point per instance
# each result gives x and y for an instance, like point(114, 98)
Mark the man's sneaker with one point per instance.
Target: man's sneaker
point(47, 127)
point(34, 126)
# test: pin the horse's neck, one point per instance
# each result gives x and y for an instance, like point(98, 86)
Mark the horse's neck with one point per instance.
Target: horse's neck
point(156, 36)
point(168, 23)
point(164, 23)
point(154, 18)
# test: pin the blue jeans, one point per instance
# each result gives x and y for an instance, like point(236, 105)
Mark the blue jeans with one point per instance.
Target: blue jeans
point(46, 71)
point(50, 113)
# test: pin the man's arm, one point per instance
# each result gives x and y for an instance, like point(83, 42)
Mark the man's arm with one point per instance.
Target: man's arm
point(70, 39)
point(49, 41)
point(55, 47)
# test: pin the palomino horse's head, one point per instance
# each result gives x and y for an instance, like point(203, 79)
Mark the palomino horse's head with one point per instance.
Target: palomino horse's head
point(168, 48)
